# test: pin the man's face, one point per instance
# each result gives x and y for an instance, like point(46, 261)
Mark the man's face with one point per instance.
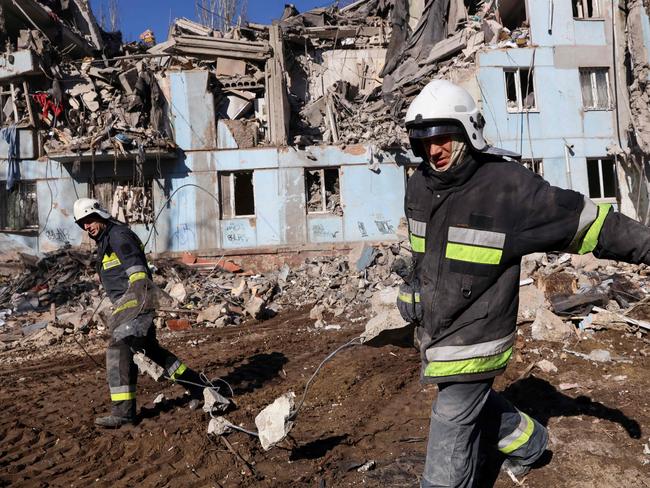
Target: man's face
point(438, 149)
point(94, 225)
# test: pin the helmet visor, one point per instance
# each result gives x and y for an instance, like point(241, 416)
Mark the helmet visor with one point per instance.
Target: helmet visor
point(434, 130)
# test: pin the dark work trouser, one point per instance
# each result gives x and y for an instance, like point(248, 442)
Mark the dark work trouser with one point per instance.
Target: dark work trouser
point(463, 416)
point(122, 373)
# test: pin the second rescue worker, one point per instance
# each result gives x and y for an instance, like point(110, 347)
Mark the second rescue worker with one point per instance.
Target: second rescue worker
point(123, 271)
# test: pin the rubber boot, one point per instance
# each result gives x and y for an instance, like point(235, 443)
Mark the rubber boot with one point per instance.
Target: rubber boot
point(113, 421)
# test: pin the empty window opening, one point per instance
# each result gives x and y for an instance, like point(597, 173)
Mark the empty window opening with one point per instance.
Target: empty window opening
point(586, 9)
point(125, 201)
point(520, 90)
point(594, 83)
point(601, 174)
point(323, 191)
point(18, 208)
point(535, 165)
point(512, 13)
point(237, 194)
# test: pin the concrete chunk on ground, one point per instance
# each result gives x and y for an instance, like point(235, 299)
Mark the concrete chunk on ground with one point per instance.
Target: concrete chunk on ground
point(219, 426)
point(531, 299)
point(547, 366)
point(254, 306)
point(272, 422)
point(210, 314)
point(214, 401)
point(177, 292)
point(387, 326)
point(549, 327)
point(146, 365)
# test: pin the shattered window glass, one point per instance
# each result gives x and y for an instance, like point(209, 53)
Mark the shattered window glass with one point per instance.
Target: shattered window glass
point(601, 174)
point(535, 165)
point(237, 194)
point(594, 84)
point(586, 9)
point(19, 207)
point(323, 191)
point(125, 201)
point(520, 90)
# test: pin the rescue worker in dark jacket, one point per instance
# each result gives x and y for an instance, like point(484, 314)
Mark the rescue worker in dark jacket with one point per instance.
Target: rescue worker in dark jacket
point(123, 271)
point(472, 215)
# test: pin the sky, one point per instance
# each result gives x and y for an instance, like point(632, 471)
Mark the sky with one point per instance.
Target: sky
point(136, 16)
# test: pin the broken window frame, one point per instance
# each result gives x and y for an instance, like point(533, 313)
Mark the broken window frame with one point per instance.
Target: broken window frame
point(612, 196)
point(593, 82)
point(323, 190)
point(147, 184)
point(228, 198)
point(578, 7)
point(23, 195)
point(535, 165)
point(530, 81)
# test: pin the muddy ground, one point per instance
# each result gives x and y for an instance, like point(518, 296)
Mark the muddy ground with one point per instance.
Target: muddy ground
point(366, 405)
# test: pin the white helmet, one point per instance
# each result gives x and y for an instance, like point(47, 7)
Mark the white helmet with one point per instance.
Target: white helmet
point(443, 108)
point(84, 207)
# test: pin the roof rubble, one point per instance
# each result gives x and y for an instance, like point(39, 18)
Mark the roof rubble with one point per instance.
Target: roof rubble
point(343, 68)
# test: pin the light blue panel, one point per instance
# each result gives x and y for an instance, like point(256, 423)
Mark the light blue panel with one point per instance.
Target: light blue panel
point(25, 140)
point(56, 199)
point(514, 57)
point(555, 171)
point(372, 203)
point(143, 232)
point(180, 234)
point(326, 228)
point(563, 25)
point(267, 207)
point(238, 233)
point(29, 241)
point(591, 32)
point(579, 179)
point(599, 123)
point(192, 110)
point(244, 159)
point(292, 208)
point(225, 139)
point(322, 156)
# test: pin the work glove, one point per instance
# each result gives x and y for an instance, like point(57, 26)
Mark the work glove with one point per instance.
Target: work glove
point(142, 296)
point(408, 302)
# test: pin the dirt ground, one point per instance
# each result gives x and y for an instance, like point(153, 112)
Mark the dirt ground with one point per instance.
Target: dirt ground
point(367, 404)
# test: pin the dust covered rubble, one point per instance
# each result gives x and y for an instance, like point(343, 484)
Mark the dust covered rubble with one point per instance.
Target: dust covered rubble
point(58, 295)
point(565, 301)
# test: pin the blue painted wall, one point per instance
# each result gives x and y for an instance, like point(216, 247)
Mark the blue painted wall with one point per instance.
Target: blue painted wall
point(559, 120)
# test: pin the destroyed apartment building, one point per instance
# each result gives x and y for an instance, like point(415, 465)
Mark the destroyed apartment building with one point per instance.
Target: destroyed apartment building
point(289, 136)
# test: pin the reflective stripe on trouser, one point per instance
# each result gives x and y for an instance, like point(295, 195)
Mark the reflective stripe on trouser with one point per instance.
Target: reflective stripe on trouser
point(464, 415)
point(514, 433)
point(122, 373)
point(122, 376)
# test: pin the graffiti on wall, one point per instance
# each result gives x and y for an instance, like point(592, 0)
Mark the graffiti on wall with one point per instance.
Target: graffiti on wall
point(183, 235)
point(384, 226)
point(58, 234)
point(235, 233)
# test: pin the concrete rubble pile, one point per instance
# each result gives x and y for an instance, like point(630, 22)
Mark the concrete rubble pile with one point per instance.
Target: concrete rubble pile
point(329, 75)
point(78, 86)
point(565, 296)
point(353, 71)
point(58, 295)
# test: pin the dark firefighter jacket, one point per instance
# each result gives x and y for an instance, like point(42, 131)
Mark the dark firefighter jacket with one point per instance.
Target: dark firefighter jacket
point(121, 259)
point(468, 229)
